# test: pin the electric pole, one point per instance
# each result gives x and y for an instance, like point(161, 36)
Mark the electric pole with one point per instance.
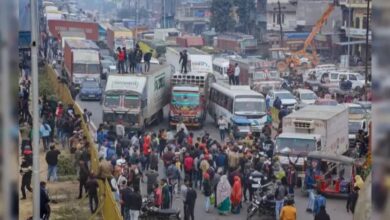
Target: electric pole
point(280, 24)
point(367, 38)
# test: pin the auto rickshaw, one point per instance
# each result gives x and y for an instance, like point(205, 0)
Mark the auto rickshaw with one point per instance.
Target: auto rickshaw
point(334, 173)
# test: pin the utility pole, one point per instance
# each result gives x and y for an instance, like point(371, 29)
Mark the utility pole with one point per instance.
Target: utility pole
point(367, 36)
point(164, 15)
point(280, 24)
point(35, 106)
point(136, 21)
point(349, 34)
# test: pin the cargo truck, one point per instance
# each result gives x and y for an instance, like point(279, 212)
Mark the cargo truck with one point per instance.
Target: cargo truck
point(81, 60)
point(189, 98)
point(118, 36)
point(198, 61)
point(312, 128)
point(137, 100)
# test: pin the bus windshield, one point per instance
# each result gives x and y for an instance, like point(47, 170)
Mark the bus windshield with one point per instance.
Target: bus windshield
point(296, 145)
point(112, 100)
point(249, 106)
point(131, 101)
point(185, 99)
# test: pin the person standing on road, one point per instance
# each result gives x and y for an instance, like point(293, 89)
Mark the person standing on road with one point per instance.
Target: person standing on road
point(135, 204)
point(120, 130)
point(322, 214)
point(152, 176)
point(125, 201)
point(120, 59)
point(236, 75)
point(52, 162)
point(280, 193)
point(352, 199)
point(230, 73)
point(224, 190)
point(236, 195)
point(26, 171)
point(166, 194)
point(183, 191)
point(291, 179)
point(288, 212)
point(44, 202)
point(310, 184)
point(318, 202)
point(147, 58)
point(207, 191)
point(138, 58)
point(45, 131)
point(83, 177)
point(190, 202)
point(222, 125)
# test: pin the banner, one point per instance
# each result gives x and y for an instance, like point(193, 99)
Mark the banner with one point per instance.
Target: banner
point(201, 63)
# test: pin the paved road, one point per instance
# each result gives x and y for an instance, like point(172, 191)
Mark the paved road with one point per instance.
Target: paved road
point(335, 207)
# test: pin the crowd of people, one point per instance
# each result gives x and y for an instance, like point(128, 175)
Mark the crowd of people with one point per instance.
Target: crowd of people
point(131, 60)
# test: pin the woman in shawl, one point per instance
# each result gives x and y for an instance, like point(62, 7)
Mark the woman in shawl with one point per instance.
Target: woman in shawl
point(359, 182)
point(236, 195)
point(224, 190)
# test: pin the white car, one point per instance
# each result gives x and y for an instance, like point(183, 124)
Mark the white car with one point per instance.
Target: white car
point(305, 96)
point(285, 96)
point(356, 79)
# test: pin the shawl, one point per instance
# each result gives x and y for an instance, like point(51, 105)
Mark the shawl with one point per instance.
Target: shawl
point(224, 189)
point(237, 191)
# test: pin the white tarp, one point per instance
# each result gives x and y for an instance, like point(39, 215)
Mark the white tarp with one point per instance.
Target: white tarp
point(201, 63)
point(126, 83)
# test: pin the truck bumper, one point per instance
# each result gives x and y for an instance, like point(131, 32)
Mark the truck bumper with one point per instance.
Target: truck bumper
point(189, 122)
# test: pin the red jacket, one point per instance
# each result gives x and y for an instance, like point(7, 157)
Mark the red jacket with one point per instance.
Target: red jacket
point(188, 163)
point(146, 146)
point(121, 56)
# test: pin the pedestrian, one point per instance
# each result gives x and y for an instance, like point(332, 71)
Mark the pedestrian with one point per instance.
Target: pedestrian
point(92, 189)
point(188, 166)
point(147, 58)
point(230, 73)
point(322, 214)
point(83, 177)
point(52, 162)
point(318, 202)
point(224, 190)
point(120, 130)
point(45, 131)
point(153, 159)
point(157, 195)
point(214, 184)
point(166, 195)
point(44, 202)
point(105, 171)
point(236, 195)
point(132, 60)
point(125, 66)
point(183, 191)
point(87, 116)
point(151, 176)
point(359, 182)
point(207, 191)
point(280, 194)
point(26, 172)
point(135, 204)
point(310, 185)
point(190, 202)
point(277, 103)
point(183, 60)
point(125, 201)
point(352, 199)
point(138, 58)
point(222, 125)
point(291, 179)
point(288, 212)
point(236, 74)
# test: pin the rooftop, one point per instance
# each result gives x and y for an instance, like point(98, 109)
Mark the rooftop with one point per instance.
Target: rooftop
point(322, 112)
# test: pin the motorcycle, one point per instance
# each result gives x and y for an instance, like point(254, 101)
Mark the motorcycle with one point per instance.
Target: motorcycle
point(151, 212)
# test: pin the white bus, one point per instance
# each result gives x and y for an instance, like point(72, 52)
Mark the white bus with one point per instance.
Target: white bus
point(220, 67)
point(229, 101)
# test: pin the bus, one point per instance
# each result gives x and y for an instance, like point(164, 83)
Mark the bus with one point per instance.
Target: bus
point(220, 67)
point(229, 101)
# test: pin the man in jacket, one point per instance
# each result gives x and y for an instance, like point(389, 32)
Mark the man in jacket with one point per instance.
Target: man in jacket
point(45, 131)
point(352, 199)
point(322, 215)
point(147, 58)
point(190, 202)
point(52, 162)
point(26, 171)
point(280, 193)
point(183, 60)
point(230, 73)
point(92, 189)
point(83, 177)
point(319, 201)
point(44, 202)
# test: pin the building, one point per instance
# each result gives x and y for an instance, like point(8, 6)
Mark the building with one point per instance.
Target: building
point(168, 12)
point(354, 26)
point(235, 42)
point(193, 17)
point(288, 15)
point(261, 20)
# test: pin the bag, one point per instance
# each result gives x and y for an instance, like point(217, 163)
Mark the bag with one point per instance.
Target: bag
point(212, 199)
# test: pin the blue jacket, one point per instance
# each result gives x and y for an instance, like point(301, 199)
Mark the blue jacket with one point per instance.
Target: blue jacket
point(220, 160)
point(45, 130)
point(309, 181)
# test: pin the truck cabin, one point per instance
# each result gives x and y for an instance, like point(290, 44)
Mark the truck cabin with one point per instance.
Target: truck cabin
point(333, 172)
point(121, 106)
point(187, 97)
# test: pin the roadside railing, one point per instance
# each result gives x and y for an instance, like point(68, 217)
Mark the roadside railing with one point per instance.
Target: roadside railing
point(107, 203)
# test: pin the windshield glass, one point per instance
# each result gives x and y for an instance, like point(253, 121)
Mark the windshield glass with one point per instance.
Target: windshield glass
point(308, 96)
point(284, 95)
point(296, 145)
point(253, 106)
point(259, 75)
point(274, 75)
point(111, 100)
point(93, 68)
point(356, 110)
point(79, 68)
point(185, 99)
point(131, 101)
point(354, 126)
point(90, 84)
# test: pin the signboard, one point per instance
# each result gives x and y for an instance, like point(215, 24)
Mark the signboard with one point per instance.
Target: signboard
point(24, 23)
point(201, 63)
point(357, 32)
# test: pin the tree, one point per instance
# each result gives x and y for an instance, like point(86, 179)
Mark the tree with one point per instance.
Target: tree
point(221, 18)
point(245, 12)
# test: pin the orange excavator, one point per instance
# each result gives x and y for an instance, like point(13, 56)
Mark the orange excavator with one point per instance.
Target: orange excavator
point(302, 58)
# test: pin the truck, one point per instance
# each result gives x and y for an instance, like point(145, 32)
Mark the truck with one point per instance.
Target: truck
point(81, 60)
point(90, 29)
point(198, 61)
point(118, 36)
point(312, 128)
point(189, 98)
point(137, 100)
point(248, 67)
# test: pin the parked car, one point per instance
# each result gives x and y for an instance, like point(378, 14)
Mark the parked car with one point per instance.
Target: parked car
point(320, 101)
point(356, 79)
point(90, 89)
point(305, 97)
point(285, 96)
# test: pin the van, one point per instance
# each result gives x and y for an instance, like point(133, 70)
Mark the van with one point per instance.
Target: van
point(356, 79)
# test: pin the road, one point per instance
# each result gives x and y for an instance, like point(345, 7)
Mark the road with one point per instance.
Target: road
point(335, 206)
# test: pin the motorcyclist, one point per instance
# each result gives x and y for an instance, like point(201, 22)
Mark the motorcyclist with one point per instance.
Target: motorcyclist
point(256, 180)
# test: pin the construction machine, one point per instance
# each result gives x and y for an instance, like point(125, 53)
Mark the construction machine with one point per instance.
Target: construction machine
point(292, 59)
